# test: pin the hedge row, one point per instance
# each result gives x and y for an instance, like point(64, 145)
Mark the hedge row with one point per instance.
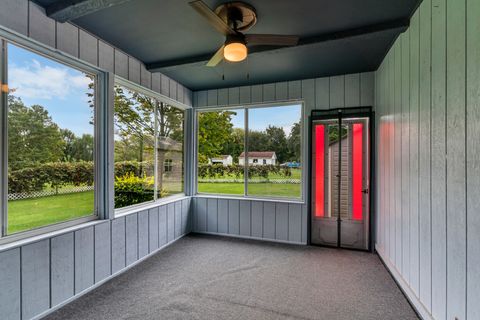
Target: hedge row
point(58, 174)
point(219, 170)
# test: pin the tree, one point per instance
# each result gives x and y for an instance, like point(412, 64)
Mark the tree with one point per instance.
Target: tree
point(294, 143)
point(134, 125)
point(68, 149)
point(234, 145)
point(33, 137)
point(214, 132)
point(277, 142)
point(258, 141)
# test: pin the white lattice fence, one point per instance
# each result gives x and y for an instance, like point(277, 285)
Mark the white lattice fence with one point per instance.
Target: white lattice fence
point(45, 193)
point(274, 181)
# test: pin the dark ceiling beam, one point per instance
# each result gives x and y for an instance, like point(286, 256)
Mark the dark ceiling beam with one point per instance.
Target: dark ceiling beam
point(399, 25)
point(67, 10)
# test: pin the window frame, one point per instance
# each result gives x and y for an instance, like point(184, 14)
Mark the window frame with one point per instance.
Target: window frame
point(246, 108)
point(100, 209)
point(119, 81)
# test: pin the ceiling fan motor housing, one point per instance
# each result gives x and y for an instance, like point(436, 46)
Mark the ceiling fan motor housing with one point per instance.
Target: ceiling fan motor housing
point(240, 16)
point(235, 38)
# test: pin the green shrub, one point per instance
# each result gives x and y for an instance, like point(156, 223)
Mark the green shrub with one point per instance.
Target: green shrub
point(131, 189)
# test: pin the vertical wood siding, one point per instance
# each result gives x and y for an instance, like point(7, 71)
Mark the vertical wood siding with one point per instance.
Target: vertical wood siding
point(249, 218)
point(272, 220)
point(29, 19)
point(428, 109)
point(41, 275)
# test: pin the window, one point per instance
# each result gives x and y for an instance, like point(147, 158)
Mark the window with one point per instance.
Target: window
point(221, 135)
point(273, 158)
point(148, 148)
point(168, 165)
point(49, 141)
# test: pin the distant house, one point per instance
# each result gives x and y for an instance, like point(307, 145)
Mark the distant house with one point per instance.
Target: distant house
point(260, 158)
point(225, 160)
point(170, 152)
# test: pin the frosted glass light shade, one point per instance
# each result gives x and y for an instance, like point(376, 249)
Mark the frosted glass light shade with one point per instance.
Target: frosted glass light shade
point(235, 52)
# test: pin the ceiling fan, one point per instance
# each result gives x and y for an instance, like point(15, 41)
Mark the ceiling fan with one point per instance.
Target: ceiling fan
point(232, 19)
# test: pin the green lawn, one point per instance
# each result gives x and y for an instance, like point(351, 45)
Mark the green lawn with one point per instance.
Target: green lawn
point(37, 212)
point(254, 189)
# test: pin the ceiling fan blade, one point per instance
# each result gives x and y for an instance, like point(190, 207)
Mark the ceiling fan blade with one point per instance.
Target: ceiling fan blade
point(211, 17)
point(217, 57)
point(271, 40)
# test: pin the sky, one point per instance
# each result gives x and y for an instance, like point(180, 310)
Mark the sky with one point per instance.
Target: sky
point(60, 89)
point(261, 118)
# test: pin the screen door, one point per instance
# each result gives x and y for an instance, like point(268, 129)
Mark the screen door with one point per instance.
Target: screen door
point(340, 182)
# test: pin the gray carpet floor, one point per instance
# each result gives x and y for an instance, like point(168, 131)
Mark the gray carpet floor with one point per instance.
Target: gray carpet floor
point(206, 277)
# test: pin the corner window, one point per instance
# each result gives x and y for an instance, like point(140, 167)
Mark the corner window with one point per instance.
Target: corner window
point(148, 149)
point(273, 161)
point(49, 141)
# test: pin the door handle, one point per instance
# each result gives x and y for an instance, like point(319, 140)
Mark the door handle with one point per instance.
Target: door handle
point(365, 191)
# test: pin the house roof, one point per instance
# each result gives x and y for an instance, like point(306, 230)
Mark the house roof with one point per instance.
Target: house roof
point(259, 154)
point(168, 144)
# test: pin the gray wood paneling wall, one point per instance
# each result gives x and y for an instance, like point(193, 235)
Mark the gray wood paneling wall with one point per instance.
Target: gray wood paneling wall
point(29, 19)
point(249, 218)
point(44, 274)
point(428, 129)
point(350, 90)
point(272, 220)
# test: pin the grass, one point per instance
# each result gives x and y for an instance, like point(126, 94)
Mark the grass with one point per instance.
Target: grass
point(33, 213)
point(37, 212)
point(283, 190)
point(254, 189)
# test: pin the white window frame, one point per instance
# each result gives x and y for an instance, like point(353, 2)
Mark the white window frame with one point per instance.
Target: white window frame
point(101, 119)
point(246, 108)
point(119, 81)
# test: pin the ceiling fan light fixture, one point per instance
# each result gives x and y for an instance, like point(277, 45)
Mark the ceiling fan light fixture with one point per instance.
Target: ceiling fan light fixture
point(235, 49)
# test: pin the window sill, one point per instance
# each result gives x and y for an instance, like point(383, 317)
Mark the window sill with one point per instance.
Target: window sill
point(28, 237)
point(234, 197)
point(149, 205)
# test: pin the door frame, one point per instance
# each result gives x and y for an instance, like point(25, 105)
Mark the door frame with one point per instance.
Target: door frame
point(339, 113)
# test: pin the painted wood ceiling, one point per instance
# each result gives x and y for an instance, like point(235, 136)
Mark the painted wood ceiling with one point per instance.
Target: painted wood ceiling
point(337, 37)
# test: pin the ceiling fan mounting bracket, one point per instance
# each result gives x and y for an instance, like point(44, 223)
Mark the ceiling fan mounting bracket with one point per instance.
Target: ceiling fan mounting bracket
point(239, 15)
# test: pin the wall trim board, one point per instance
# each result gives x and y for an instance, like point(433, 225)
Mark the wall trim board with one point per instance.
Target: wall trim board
point(403, 286)
point(99, 283)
